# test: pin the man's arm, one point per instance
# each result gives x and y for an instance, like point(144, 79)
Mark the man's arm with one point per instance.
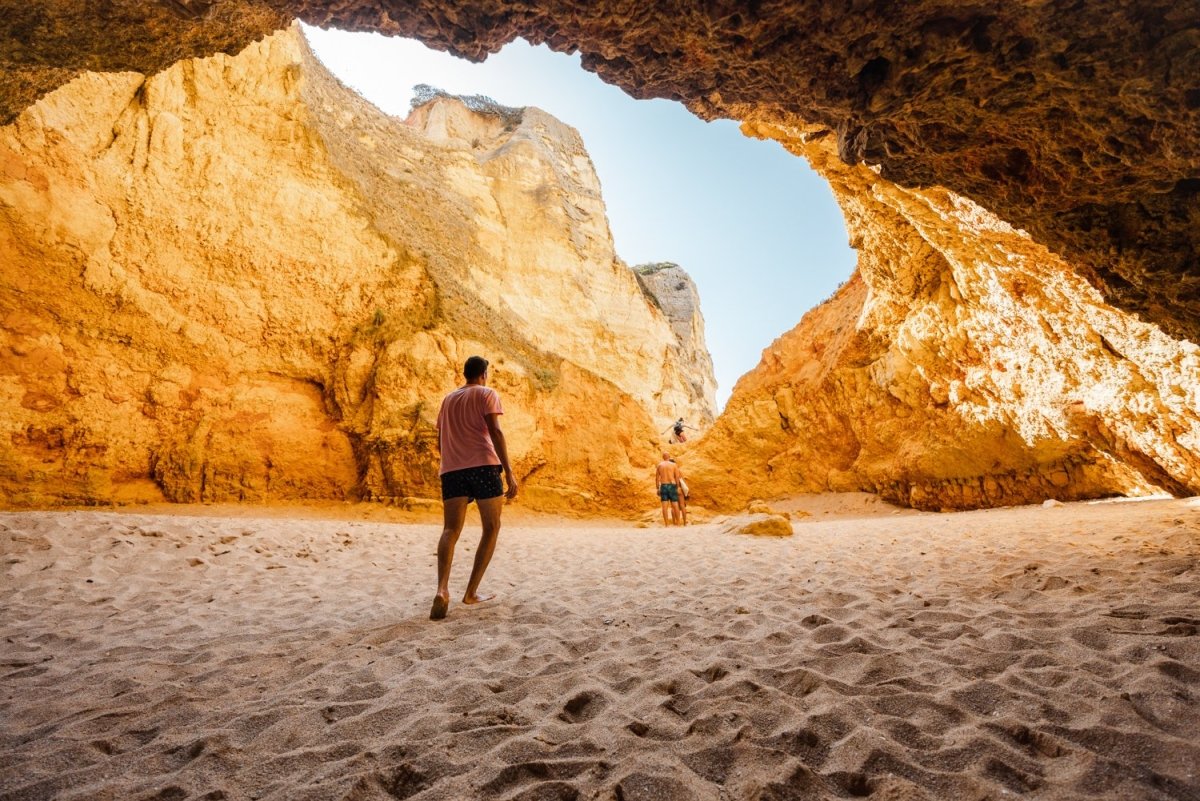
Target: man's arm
point(437, 427)
point(493, 424)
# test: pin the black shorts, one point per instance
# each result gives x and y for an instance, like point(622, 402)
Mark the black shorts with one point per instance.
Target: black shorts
point(473, 483)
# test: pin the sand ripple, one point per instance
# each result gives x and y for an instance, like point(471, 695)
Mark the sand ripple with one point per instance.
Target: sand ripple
point(1045, 653)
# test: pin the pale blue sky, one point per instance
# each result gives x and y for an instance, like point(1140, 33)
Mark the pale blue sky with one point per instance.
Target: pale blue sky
point(753, 225)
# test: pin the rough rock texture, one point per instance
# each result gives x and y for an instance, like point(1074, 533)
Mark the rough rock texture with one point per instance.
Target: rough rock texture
point(963, 365)
point(237, 280)
point(1075, 122)
point(671, 289)
point(758, 524)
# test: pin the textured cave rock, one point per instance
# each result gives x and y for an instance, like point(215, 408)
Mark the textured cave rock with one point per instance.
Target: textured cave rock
point(962, 366)
point(1074, 121)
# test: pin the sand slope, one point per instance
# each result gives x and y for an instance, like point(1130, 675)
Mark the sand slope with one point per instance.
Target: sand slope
point(1044, 653)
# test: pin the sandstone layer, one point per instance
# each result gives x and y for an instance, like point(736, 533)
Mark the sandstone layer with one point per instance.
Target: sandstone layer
point(1074, 122)
point(962, 365)
point(237, 280)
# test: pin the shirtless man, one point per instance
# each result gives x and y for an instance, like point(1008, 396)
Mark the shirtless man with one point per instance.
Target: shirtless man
point(474, 454)
point(666, 479)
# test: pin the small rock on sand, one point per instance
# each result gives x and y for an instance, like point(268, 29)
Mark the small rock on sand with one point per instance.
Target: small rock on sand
point(760, 525)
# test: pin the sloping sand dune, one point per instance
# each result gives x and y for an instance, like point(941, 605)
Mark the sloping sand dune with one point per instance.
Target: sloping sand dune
point(1038, 653)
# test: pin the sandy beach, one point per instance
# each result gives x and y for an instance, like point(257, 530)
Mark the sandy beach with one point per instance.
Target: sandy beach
point(1044, 653)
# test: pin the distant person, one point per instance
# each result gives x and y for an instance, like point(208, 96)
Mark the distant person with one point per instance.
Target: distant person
point(677, 431)
point(666, 479)
point(683, 491)
point(473, 454)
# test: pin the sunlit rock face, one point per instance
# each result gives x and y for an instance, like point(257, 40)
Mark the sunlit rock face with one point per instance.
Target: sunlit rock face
point(236, 280)
point(546, 264)
point(1074, 122)
point(963, 365)
point(672, 290)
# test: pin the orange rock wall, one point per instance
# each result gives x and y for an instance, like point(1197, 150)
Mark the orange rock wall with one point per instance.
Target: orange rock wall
point(236, 280)
point(963, 365)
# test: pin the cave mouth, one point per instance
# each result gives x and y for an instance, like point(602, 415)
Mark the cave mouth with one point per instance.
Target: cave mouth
point(757, 229)
point(896, 102)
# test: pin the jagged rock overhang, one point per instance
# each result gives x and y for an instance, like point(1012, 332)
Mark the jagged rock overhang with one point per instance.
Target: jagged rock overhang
point(1075, 123)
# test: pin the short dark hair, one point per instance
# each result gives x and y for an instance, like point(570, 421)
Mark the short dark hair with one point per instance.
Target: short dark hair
point(475, 367)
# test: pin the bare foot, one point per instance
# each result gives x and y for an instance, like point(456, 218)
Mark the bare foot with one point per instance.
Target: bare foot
point(477, 598)
point(441, 603)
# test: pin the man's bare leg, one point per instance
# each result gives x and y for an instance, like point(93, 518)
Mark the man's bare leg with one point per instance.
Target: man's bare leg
point(675, 513)
point(666, 505)
point(454, 514)
point(489, 513)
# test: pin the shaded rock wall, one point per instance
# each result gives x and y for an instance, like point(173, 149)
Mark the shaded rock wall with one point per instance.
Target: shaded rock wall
point(236, 280)
point(963, 365)
point(1075, 122)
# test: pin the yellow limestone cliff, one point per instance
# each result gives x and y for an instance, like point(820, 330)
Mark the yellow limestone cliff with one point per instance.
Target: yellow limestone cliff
point(237, 280)
point(963, 365)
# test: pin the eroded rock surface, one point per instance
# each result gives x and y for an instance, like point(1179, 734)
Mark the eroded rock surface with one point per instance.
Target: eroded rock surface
point(672, 290)
point(1076, 123)
point(963, 365)
point(236, 280)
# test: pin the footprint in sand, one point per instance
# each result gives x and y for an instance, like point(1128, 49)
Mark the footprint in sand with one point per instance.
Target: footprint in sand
point(583, 706)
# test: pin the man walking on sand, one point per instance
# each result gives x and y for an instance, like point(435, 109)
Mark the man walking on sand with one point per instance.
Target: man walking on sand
point(666, 479)
point(473, 454)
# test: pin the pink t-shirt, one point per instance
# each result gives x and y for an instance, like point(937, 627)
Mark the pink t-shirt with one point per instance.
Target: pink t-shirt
point(462, 426)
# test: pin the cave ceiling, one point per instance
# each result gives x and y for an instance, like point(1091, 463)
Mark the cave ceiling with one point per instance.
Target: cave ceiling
point(1076, 121)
